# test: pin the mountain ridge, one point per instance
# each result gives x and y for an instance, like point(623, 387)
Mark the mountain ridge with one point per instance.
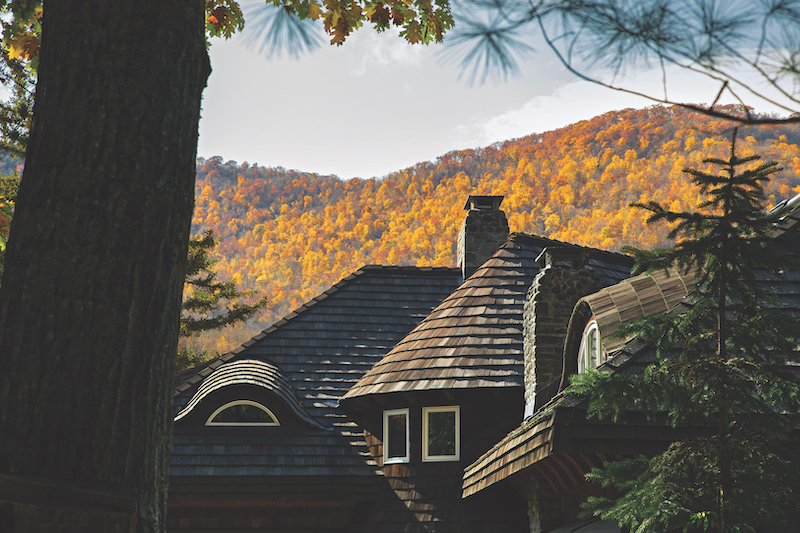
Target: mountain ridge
point(292, 234)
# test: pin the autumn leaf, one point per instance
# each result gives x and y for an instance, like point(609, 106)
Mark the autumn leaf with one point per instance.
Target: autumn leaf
point(23, 46)
point(218, 17)
point(341, 31)
point(314, 10)
point(223, 18)
point(435, 26)
point(379, 15)
point(412, 33)
point(397, 16)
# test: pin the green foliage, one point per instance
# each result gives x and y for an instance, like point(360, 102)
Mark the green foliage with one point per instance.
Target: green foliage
point(9, 185)
point(16, 112)
point(19, 58)
point(422, 21)
point(722, 370)
point(187, 357)
point(208, 303)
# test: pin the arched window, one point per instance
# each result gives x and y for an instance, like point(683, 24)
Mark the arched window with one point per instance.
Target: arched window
point(242, 413)
point(591, 354)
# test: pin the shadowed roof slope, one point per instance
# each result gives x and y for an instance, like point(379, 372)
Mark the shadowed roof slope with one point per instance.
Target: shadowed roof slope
point(474, 338)
point(321, 349)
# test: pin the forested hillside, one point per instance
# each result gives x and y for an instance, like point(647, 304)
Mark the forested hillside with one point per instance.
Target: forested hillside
point(291, 235)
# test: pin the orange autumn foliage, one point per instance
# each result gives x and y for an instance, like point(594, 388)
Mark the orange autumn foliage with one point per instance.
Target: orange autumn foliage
point(291, 235)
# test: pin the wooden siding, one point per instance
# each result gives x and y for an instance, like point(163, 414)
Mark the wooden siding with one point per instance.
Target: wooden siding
point(562, 445)
point(426, 496)
point(561, 425)
point(276, 517)
point(524, 446)
point(273, 490)
point(321, 349)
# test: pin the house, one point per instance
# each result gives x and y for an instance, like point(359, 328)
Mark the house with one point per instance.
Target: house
point(259, 441)
point(285, 431)
point(392, 402)
point(556, 444)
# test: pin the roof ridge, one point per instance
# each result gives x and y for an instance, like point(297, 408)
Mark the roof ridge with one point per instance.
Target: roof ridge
point(529, 236)
point(397, 268)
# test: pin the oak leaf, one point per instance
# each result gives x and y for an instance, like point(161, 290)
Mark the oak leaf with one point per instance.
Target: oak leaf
point(412, 32)
point(397, 16)
point(341, 31)
point(379, 15)
point(314, 10)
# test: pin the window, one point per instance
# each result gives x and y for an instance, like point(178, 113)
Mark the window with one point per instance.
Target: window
point(441, 435)
point(395, 436)
point(242, 413)
point(591, 354)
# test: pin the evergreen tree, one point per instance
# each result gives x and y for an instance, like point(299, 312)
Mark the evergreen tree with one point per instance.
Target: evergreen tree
point(722, 366)
point(208, 303)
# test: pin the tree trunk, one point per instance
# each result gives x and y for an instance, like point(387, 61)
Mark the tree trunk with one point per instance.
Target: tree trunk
point(90, 297)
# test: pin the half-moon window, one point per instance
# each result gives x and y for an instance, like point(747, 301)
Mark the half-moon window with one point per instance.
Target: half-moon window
point(242, 413)
point(591, 353)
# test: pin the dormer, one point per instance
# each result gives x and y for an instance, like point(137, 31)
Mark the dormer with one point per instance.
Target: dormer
point(592, 335)
point(245, 393)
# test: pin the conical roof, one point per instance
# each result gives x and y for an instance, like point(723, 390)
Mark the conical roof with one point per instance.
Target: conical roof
point(474, 338)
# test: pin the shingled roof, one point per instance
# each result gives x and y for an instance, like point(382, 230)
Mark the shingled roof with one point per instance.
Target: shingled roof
point(314, 354)
point(474, 338)
point(558, 441)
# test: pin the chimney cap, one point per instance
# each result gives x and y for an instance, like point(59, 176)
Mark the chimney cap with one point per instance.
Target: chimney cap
point(483, 202)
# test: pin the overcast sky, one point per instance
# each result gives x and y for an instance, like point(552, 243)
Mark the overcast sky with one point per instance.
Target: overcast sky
point(378, 104)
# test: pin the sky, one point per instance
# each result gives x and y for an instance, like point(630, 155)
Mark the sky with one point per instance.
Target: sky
point(377, 104)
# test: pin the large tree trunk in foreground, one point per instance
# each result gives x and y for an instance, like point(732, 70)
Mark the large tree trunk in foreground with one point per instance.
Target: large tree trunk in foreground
point(91, 293)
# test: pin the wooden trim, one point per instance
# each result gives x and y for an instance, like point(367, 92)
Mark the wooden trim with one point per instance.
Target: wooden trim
point(441, 409)
point(210, 421)
point(392, 460)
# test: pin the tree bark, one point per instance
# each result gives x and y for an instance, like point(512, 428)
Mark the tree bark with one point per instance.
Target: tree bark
point(90, 297)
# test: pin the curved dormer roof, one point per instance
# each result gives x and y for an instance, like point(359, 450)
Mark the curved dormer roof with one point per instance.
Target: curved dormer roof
point(250, 372)
point(474, 339)
point(631, 299)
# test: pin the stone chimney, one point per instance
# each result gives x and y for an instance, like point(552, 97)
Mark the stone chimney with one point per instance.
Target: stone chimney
point(564, 278)
point(485, 228)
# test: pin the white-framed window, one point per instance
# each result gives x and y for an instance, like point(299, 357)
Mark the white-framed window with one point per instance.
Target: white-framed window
point(396, 441)
point(441, 433)
point(242, 413)
point(591, 354)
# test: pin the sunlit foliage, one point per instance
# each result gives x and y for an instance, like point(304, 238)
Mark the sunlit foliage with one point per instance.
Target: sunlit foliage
point(292, 235)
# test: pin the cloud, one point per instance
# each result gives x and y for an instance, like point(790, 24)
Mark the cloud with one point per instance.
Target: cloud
point(369, 50)
point(581, 100)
